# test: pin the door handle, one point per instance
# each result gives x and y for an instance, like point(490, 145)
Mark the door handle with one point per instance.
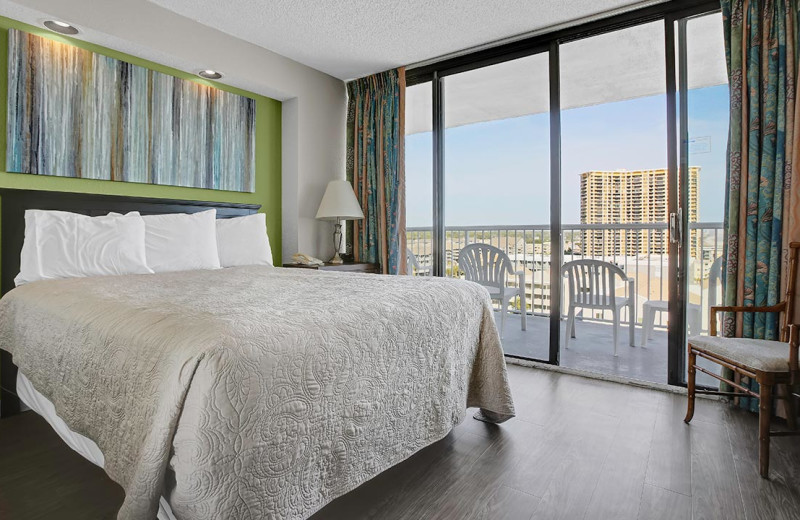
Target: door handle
point(676, 227)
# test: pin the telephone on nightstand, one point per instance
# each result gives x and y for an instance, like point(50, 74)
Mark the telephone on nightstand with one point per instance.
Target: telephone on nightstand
point(301, 258)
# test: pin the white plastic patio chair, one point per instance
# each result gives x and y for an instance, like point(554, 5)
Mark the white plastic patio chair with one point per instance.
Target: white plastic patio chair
point(413, 267)
point(714, 281)
point(694, 313)
point(491, 267)
point(592, 285)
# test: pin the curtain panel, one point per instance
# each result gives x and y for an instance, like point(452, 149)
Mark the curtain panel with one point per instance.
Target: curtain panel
point(376, 167)
point(762, 199)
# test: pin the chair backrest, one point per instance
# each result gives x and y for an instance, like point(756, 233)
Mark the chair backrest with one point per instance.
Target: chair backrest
point(485, 264)
point(591, 283)
point(788, 315)
point(412, 264)
point(714, 281)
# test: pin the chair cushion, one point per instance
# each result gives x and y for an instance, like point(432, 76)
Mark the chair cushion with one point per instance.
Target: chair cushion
point(758, 354)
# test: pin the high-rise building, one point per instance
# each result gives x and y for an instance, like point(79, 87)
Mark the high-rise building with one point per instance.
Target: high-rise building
point(629, 197)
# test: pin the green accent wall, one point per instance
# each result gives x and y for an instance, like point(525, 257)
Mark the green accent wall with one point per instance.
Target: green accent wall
point(268, 146)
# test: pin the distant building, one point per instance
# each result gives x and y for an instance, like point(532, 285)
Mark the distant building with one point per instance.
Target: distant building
point(629, 197)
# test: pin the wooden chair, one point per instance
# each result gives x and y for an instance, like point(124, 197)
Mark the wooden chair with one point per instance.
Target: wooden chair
point(491, 267)
point(770, 363)
point(592, 285)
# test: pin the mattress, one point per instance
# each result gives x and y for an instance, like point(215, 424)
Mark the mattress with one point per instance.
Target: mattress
point(85, 447)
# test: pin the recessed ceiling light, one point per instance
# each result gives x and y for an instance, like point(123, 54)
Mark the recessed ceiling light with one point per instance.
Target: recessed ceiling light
point(209, 74)
point(60, 27)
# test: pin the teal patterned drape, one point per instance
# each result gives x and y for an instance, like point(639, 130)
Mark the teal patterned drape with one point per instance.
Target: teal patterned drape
point(375, 166)
point(761, 54)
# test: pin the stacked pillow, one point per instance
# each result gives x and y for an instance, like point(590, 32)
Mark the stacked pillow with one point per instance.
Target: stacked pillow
point(59, 244)
point(243, 241)
point(181, 242)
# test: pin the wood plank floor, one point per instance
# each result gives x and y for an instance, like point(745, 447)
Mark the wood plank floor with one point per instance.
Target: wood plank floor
point(579, 448)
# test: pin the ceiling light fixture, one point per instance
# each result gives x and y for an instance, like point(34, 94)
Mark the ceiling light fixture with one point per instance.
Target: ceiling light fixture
point(209, 74)
point(60, 27)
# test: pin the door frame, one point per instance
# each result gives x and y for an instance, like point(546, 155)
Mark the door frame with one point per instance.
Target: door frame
point(675, 54)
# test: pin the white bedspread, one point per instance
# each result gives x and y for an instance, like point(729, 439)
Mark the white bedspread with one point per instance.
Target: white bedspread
point(268, 391)
point(86, 447)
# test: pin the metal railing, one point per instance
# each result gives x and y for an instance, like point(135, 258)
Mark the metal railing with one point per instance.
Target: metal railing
point(641, 250)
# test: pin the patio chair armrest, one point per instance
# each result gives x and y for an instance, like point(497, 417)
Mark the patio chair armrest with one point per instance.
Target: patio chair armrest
point(712, 326)
point(520, 276)
point(631, 286)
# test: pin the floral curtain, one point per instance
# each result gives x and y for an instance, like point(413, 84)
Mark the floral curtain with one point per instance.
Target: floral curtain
point(761, 206)
point(375, 166)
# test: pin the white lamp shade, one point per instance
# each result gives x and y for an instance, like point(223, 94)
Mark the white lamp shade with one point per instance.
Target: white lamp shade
point(339, 202)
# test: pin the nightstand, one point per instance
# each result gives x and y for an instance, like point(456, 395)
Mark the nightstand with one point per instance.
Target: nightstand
point(350, 267)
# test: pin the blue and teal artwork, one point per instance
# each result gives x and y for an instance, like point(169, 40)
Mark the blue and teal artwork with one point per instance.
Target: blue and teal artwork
point(76, 113)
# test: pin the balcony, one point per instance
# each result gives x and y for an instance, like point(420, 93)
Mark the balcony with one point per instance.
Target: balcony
point(640, 250)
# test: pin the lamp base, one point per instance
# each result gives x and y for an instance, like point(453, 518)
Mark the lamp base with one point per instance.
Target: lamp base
point(337, 243)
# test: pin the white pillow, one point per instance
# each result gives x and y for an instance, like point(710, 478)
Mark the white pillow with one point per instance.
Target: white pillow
point(181, 241)
point(59, 244)
point(243, 241)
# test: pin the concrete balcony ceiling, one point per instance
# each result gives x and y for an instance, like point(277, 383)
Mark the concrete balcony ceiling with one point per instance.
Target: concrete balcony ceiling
point(608, 68)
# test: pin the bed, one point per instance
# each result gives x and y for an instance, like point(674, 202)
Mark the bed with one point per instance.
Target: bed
point(248, 392)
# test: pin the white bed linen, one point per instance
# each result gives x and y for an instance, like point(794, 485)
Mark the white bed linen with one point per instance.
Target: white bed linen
point(83, 445)
point(59, 244)
point(247, 385)
point(181, 241)
point(243, 241)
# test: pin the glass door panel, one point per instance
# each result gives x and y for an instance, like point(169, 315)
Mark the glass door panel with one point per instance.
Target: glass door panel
point(497, 188)
point(419, 179)
point(707, 111)
point(614, 185)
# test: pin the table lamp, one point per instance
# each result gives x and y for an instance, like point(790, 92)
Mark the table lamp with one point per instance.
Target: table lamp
point(339, 203)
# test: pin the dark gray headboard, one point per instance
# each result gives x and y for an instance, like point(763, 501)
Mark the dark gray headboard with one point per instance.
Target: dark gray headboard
point(12, 233)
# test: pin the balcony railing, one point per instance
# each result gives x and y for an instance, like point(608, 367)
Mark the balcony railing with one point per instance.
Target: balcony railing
point(641, 250)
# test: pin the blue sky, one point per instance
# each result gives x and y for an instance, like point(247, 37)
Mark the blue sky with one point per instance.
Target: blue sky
point(498, 172)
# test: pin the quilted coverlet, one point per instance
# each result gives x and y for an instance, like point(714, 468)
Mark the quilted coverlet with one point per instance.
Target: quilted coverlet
point(256, 392)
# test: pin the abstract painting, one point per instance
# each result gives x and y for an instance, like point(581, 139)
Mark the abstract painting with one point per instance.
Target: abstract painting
point(76, 113)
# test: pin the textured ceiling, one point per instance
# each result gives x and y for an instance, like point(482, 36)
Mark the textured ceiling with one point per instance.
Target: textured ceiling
point(353, 38)
point(143, 29)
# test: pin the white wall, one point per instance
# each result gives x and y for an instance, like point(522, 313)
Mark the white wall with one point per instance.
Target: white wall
point(314, 103)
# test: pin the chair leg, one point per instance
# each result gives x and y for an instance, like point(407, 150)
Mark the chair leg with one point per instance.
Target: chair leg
point(695, 321)
point(570, 331)
point(790, 406)
point(645, 316)
point(503, 312)
point(615, 317)
point(524, 303)
point(632, 326)
point(764, 416)
point(690, 386)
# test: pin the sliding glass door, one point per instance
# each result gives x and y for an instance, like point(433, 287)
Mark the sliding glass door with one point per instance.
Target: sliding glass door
point(614, 185)
point(602, 145)
point(703, 92)
point(497, 192)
